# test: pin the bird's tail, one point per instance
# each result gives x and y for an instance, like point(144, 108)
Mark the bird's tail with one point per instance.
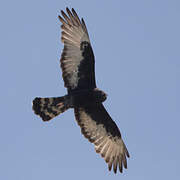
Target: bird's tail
point(48, 108)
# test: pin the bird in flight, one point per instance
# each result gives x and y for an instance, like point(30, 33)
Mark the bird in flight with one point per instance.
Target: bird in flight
point(78, 72)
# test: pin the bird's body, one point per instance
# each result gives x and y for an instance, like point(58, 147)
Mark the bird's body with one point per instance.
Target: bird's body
point(78, 67)
point(86, 97)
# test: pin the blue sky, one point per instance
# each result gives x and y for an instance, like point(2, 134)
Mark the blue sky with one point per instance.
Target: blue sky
point(136, 45)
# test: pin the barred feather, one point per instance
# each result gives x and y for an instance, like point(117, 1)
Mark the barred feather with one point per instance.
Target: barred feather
point(48, 108)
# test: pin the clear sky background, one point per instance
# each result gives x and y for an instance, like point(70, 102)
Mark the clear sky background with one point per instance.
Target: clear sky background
point(137, 48)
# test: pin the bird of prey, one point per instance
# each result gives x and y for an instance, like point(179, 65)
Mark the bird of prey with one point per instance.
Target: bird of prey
point(78, 72)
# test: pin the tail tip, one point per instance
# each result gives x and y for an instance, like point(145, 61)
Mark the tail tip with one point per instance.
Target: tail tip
point(36, 106)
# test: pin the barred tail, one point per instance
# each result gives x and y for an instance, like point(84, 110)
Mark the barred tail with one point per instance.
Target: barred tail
point(48, 108)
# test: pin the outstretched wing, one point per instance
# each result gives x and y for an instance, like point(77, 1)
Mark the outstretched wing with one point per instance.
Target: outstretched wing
point(77, 59)
point(97, 125)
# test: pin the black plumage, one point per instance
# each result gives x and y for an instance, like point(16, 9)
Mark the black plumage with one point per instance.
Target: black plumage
point(78, 72)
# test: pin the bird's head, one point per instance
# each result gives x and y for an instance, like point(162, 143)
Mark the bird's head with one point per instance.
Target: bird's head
point(100, 95)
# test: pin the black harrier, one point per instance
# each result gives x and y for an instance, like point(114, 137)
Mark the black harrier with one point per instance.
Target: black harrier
point(77, 63)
